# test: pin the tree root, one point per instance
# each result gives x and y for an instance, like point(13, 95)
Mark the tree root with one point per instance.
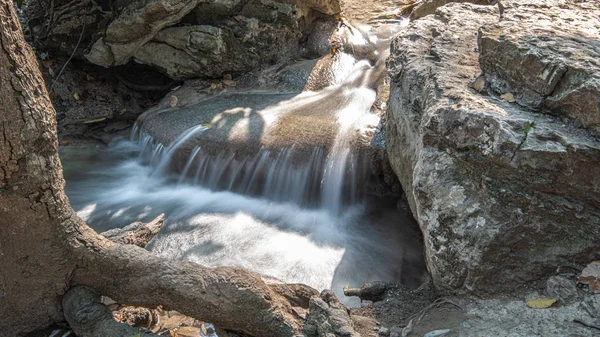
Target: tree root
point(137, 233)
point(231, 298)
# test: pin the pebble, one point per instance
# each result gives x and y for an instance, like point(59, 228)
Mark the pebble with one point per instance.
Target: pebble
point(436, 333)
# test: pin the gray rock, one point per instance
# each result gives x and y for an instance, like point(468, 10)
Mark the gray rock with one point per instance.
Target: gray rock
point(548, 57)
point(195, 51)
point(384, 332)
point(428, 7)
point(328, 317)
point(498, 206)
point(562, 288)
point(231, 36)
point(139, 22)
point(328, 7)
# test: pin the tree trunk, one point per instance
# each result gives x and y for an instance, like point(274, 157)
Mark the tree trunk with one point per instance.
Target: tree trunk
point(45, 248)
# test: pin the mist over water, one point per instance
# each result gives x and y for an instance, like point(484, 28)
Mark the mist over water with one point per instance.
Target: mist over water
point(298, 221)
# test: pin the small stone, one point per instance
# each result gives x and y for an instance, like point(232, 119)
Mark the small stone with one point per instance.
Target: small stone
point(509, 97)
point(562, 288)
point(229, 83)
point(227, 77)
point(436, 333)
point(466, 325)
point(384, 332)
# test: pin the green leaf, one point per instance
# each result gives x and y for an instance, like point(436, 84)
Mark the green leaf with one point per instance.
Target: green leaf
point(19, 3)
point(528, 126)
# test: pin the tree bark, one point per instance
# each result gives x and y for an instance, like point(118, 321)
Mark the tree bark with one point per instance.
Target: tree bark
point(45, 248)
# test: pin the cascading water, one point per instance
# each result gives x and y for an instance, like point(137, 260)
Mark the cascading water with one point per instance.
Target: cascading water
point(292, 213)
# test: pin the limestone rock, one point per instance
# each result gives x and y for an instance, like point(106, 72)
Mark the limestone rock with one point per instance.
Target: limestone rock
point(548, 55)
point(139, 22)
point(194, 51)
point(428, 7)
point(499, 203)
point(562, 288)
point(328, 7)
point(328, 317)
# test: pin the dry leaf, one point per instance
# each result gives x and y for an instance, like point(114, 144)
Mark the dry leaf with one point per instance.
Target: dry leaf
point(509, 97)
point(239, 18)
point(591, 276)
point(216, 85)
point(89, 78)
point(173, 101)
point(124, 110)
point(541, 303)
point(227, 77)
point(230, 83)
point(478, 84)
point(47, 63)
point(64, 143)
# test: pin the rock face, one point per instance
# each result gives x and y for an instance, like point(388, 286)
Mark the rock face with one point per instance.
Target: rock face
point(504, 189)
point(219, 37)
point(182, 38)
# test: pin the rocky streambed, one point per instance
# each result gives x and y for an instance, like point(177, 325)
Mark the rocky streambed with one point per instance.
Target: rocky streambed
point(489, 121)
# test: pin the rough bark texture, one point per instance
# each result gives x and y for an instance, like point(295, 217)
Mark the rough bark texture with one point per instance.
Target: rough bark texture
point(35, 265)
point(45, 248)
point(137, 233)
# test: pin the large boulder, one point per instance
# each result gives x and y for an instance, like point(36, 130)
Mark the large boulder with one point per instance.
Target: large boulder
point(195, 51)
point(504, 188)
point(136, 25)
point(201, 38)
point(548, 59)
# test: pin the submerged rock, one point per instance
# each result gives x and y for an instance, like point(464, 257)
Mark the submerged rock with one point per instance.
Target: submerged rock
point(503, 192)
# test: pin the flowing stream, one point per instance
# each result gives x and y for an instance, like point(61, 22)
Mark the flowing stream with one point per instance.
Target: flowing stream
point(306, 220)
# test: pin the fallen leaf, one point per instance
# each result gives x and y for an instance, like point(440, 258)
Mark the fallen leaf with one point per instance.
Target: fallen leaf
point(89, 78)
point(47, 63)
point(478, 84)
point(173, 101)
point(527, 128)
point(64, 143)
point(124, 110)
point(216, 85)
point(541, 303)
point(230, 83)
point(239, 18)
point(591, 276)
point(509, 97)
point(227, 77)
point(206, 124)
point(76, 96)
point(90, 121)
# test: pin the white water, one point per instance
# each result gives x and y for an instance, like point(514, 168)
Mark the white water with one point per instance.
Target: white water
point(111, 187)
point(308, 222)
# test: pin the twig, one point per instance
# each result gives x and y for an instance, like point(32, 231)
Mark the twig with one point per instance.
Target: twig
point(589, 325)
point(72, 54)
point(436, 304)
